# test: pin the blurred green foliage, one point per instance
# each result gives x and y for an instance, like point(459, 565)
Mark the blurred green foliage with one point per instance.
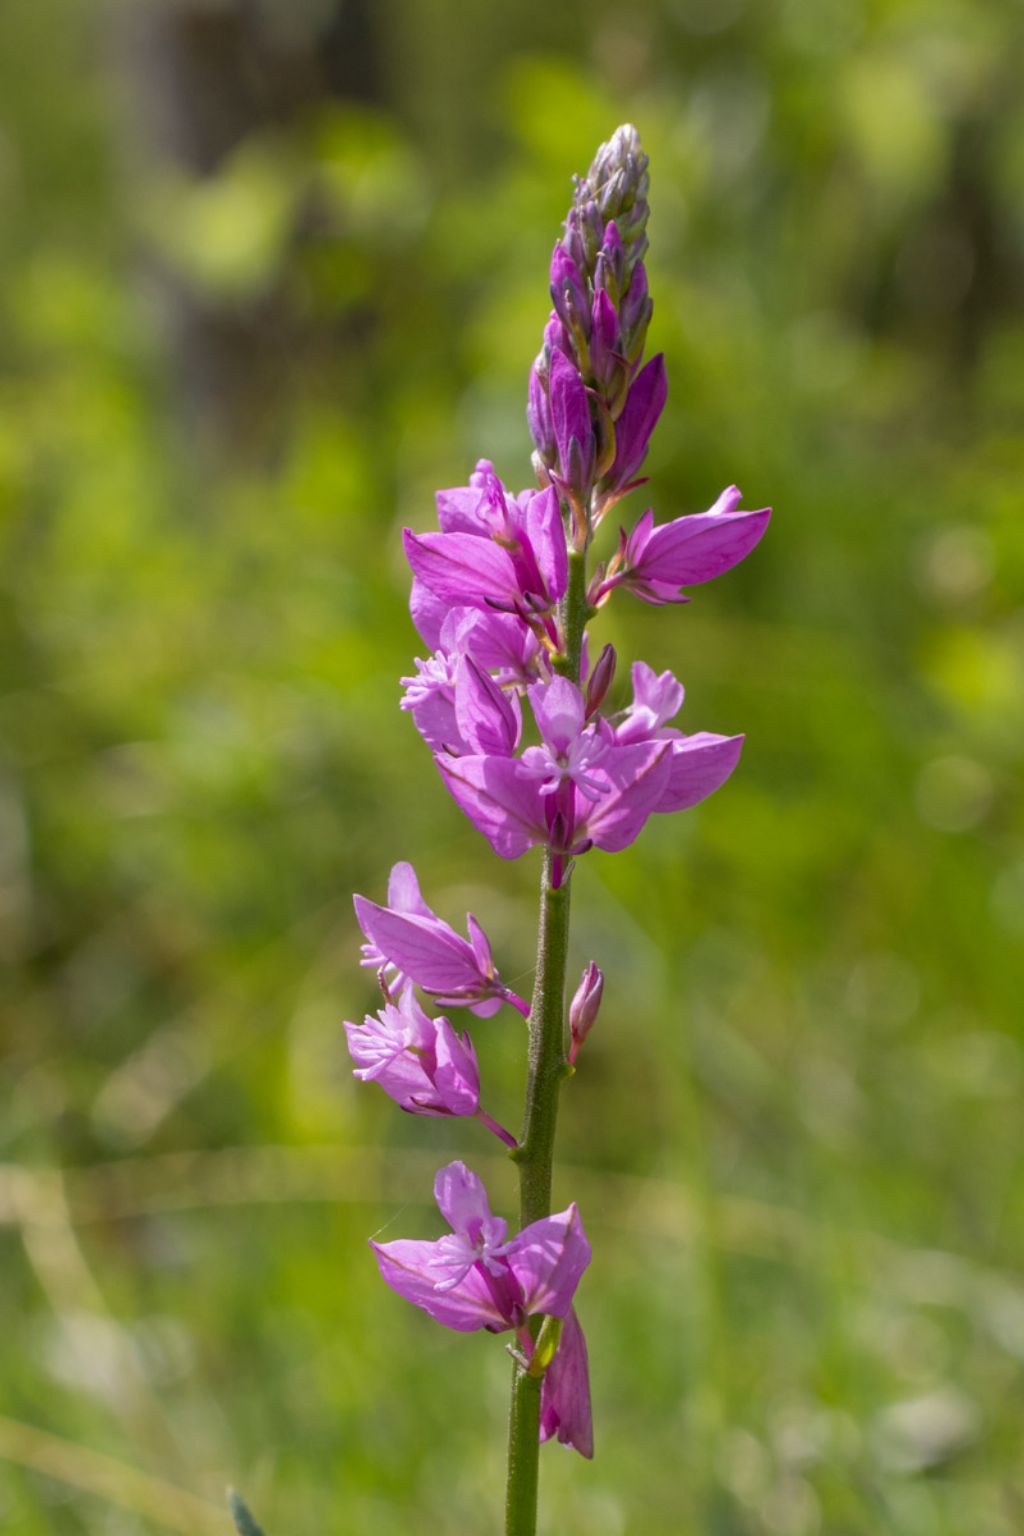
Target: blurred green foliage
point(229, 374)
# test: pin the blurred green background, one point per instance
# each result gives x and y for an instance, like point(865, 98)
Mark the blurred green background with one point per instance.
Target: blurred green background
point(269, 274)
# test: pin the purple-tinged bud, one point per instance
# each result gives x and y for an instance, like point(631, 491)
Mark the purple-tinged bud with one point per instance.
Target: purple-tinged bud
point(573, 428)
point(583, 231)
point(569, 295)
point(611, 272)
point(635, 315)
point(618, 183)
point(555, 340)
point(639, 418)
point(607, 365)
point(538, 415)
point(604, 438)
point(584, 1008)
point(600, 680)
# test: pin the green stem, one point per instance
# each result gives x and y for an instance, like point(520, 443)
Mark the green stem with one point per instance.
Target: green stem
point(547, 1068)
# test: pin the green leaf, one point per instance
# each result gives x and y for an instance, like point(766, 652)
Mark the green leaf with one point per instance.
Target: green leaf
point(245, 1522)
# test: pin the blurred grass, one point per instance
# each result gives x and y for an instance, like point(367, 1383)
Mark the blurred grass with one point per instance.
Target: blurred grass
point(796, 1136)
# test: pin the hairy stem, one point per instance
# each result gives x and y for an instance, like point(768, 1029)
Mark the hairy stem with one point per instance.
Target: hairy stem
point(547, 1068)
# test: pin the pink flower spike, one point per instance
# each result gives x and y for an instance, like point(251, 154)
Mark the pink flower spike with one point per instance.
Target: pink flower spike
point(565, 1392)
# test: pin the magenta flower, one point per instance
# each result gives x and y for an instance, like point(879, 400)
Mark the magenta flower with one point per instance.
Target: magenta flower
point(565, 1391)
point(408, 943)
point(476, 1277)
point(589, 784)
point(495, 551)
point(419, 1062)
point(654, 562)
point(579, 789)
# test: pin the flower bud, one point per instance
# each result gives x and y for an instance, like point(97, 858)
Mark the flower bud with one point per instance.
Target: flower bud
point(583, 1009)
point(635, 314)
point(607, 365)
point(538, 415)
point(569, 294)
point(600, 680)
point(610, 271)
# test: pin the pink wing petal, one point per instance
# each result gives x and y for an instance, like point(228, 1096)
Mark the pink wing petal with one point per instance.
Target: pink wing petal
point(489, 722)
point(504, 806)
point(700, 547)
point(458, 510)
point(640, 775)
point(558, 708)
point(425, 948)
point(565, 1392)
point(461, 568)
point(699, 764)
point(546, 533)
point(456, 1077)
point(547, 1258)
point(428, 614)
point(412, 1269)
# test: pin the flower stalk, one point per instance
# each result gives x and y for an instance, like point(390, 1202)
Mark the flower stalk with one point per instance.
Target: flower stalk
point(547, 1070)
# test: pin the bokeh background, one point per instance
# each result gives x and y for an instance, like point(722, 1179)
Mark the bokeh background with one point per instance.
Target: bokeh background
point(269, 274)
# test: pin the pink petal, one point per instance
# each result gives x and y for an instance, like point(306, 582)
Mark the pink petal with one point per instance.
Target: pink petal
point(404, 890)
point(700, 547)
point(458, 510)
point(546, 533)
point(489, 722)
point(457, 1077)
point(699, 765)
point(425, 948)
point(461, 1197)
point(547, 1258)
point(412, 1270)
point(565, 1393)
point(460, 568)
point(640, 775)
point(428, 613)
point(559, 710)
point(504, 806)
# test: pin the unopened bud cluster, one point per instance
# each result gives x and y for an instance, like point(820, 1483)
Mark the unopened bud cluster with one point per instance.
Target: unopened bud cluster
point(587, 437)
